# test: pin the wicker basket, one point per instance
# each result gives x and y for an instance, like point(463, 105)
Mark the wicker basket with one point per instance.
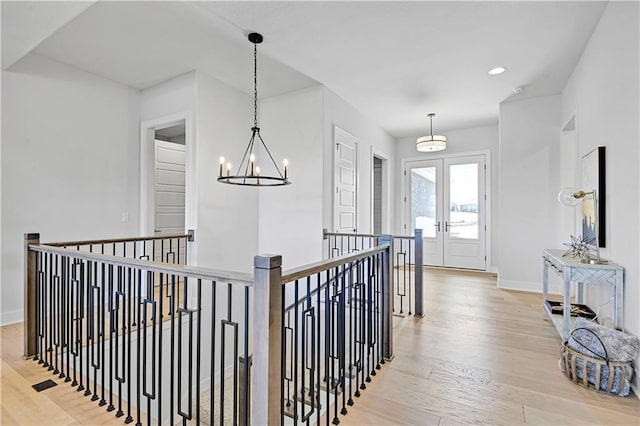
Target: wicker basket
point(572, 359)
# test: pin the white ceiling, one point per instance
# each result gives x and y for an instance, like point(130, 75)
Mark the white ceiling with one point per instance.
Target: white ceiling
point(394, 61)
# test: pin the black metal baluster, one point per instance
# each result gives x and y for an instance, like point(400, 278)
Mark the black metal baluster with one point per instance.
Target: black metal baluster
point(327, 342)
point(247, 369)
point(120, 318)
point(141, 325)
point(111, 310)
point(65, 318)
point(172, 346)
point(198, 347)
point(318, 347)
point(130, 301)
point(295, 355)
point(160, 306)
point(213, 351)
point(149, 301)
point(184, 310)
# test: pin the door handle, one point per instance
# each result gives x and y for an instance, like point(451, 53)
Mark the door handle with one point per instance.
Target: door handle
point(446, 226)
point(437, 225)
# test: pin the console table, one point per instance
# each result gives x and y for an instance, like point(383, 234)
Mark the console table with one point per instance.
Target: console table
point(574, 271)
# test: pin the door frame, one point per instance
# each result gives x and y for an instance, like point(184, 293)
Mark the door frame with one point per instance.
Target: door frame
point(488, 181)
point(147, 170)
point(386, 184)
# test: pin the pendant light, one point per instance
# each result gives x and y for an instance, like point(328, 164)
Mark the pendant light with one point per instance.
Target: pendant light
point(248, 172)
point(432, 142)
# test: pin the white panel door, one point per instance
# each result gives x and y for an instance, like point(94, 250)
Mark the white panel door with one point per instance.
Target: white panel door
point(446, 199)
point(169, 188)
point(424, 207)
point(345, 202)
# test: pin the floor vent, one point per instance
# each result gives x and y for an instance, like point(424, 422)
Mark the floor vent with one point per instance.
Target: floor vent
point(44, 385)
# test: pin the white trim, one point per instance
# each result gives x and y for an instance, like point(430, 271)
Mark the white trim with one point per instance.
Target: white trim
point(528, 286)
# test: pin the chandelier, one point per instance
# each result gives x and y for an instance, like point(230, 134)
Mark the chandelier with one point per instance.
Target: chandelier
point(248, 172)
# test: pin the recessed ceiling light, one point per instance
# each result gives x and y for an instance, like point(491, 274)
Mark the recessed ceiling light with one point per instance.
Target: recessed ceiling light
point(497, 70)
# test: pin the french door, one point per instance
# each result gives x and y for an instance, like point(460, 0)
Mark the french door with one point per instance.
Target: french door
point(446, 199)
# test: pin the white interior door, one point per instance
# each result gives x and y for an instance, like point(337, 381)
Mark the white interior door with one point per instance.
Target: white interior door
point(424, 207)
point(345, 202)
point(169, 187)
point(446, 199)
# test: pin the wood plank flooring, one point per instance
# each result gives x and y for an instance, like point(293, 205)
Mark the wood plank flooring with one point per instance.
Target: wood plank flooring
point(481, 355)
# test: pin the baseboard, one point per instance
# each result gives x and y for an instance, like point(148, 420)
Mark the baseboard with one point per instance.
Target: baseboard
point(11, 317)
point(528, 286)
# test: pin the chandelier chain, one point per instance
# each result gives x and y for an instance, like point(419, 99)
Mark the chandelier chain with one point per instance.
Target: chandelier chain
point(255, 85)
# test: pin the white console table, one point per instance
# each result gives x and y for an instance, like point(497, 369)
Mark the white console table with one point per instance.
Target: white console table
point(574, 271)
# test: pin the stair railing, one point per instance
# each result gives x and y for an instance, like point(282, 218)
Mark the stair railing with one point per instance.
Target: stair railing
point(147, 339)
point(407, 264)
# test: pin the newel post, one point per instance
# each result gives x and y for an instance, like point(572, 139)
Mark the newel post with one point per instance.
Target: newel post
point(387, 296)
point(419, 311)
point(30, 283)
point(266, 373)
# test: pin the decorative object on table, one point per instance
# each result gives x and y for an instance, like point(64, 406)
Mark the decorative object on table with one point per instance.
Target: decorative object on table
point(431, 142)
point(579, 247)
point(570, 197)
point(599, 358)
point(248, 172)
point(576, 310)
point(593, 208)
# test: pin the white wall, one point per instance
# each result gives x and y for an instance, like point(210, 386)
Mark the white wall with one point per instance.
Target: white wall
point(338, 112)
point(528, 209)
point(227, 221)
point(160, 105)
point(223, 216)
point(169, 97)
point(459, 141)
point(290, 220)
point(69, 162)
point(603, 93)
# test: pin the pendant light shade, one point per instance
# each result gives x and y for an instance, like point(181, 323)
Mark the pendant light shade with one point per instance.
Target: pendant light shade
point(248, 173)
point(431, 143)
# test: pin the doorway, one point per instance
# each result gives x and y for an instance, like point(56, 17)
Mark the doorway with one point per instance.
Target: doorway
point(446, 198)
point(380, 204)
point(168, 201)
point(170, 170)
point(377, 196)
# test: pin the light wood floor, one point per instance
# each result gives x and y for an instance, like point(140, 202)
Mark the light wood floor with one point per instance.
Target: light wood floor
point(481, 355)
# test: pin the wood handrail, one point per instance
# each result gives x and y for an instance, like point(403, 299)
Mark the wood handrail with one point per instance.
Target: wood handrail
point(314, 268)
point(116, 240)
point(346, 234)
point(165, 268)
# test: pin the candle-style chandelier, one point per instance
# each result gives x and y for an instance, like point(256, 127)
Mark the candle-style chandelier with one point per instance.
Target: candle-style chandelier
point(248, 172)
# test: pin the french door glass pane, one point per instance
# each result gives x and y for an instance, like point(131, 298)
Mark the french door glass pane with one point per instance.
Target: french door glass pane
point(423, 200)
point(463, 205)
